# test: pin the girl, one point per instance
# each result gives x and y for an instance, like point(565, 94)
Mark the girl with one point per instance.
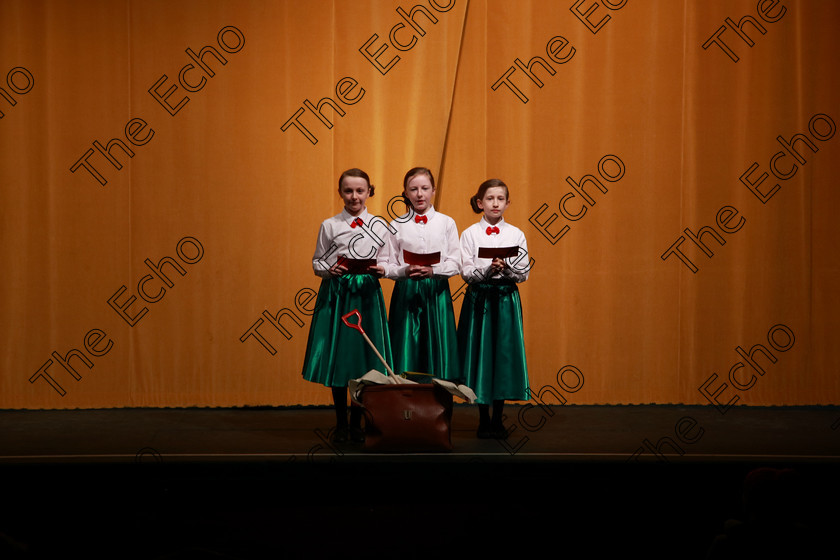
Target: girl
point(490, 334)
point(335, 353)
point(420, 257)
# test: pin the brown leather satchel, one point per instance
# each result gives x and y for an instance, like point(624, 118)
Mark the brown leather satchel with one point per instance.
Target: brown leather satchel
point(403, 417)
point(407, 418)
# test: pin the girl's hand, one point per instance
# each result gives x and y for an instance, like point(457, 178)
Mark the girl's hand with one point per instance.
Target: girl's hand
point(338, 269)
point(378, 271)
point(417, 271)
point(498, 265)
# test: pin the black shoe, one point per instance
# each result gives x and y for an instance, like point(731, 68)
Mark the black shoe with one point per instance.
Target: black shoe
point(357, 435)
point(339, 435)
point(484, 432)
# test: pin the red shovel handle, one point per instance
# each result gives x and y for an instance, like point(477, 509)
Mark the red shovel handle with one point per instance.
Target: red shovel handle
point(357, 326)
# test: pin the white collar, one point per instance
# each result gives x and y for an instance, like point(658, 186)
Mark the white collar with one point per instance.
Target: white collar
point(348, 219)
point(485, 224)
point(430, 213)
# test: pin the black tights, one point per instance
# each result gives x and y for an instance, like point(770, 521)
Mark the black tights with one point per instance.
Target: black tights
point(339, 395)
point(484, 418)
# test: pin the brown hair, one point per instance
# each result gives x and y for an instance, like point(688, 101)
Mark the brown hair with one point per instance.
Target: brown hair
point(356, 172)
point(482, 190)
point(418, 171)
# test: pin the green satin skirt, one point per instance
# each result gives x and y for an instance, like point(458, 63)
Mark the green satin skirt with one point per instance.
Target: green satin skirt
point(422, 326)
point(491, 342)
point(336, 353)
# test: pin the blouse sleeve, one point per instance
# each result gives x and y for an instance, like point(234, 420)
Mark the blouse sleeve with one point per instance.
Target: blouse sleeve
point(389, 259)
point(520, 265)
point(471, 271)
point(325, 251)
point(450, 257)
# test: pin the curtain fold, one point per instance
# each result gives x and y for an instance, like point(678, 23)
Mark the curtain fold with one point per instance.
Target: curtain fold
point(166, 166)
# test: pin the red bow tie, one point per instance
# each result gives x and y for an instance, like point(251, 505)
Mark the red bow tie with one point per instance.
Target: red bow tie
point(493, 229)
point(356, 222)
point(421, 219)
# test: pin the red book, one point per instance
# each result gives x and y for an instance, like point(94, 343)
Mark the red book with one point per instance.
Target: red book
point(421, 259)
point(497, 252)
point(356, 266)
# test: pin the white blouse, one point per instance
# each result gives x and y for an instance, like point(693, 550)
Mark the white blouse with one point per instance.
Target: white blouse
point(339, 237)
point(438, 233)
point(475, 269)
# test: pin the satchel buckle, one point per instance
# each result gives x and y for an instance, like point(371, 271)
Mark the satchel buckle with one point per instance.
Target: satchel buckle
point(406, 414)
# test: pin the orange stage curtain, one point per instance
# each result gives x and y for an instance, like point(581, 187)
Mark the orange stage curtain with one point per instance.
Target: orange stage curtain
point(165, 167)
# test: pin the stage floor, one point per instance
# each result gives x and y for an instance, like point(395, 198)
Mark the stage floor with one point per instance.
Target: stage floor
point(659, 481)
point(656, 433)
